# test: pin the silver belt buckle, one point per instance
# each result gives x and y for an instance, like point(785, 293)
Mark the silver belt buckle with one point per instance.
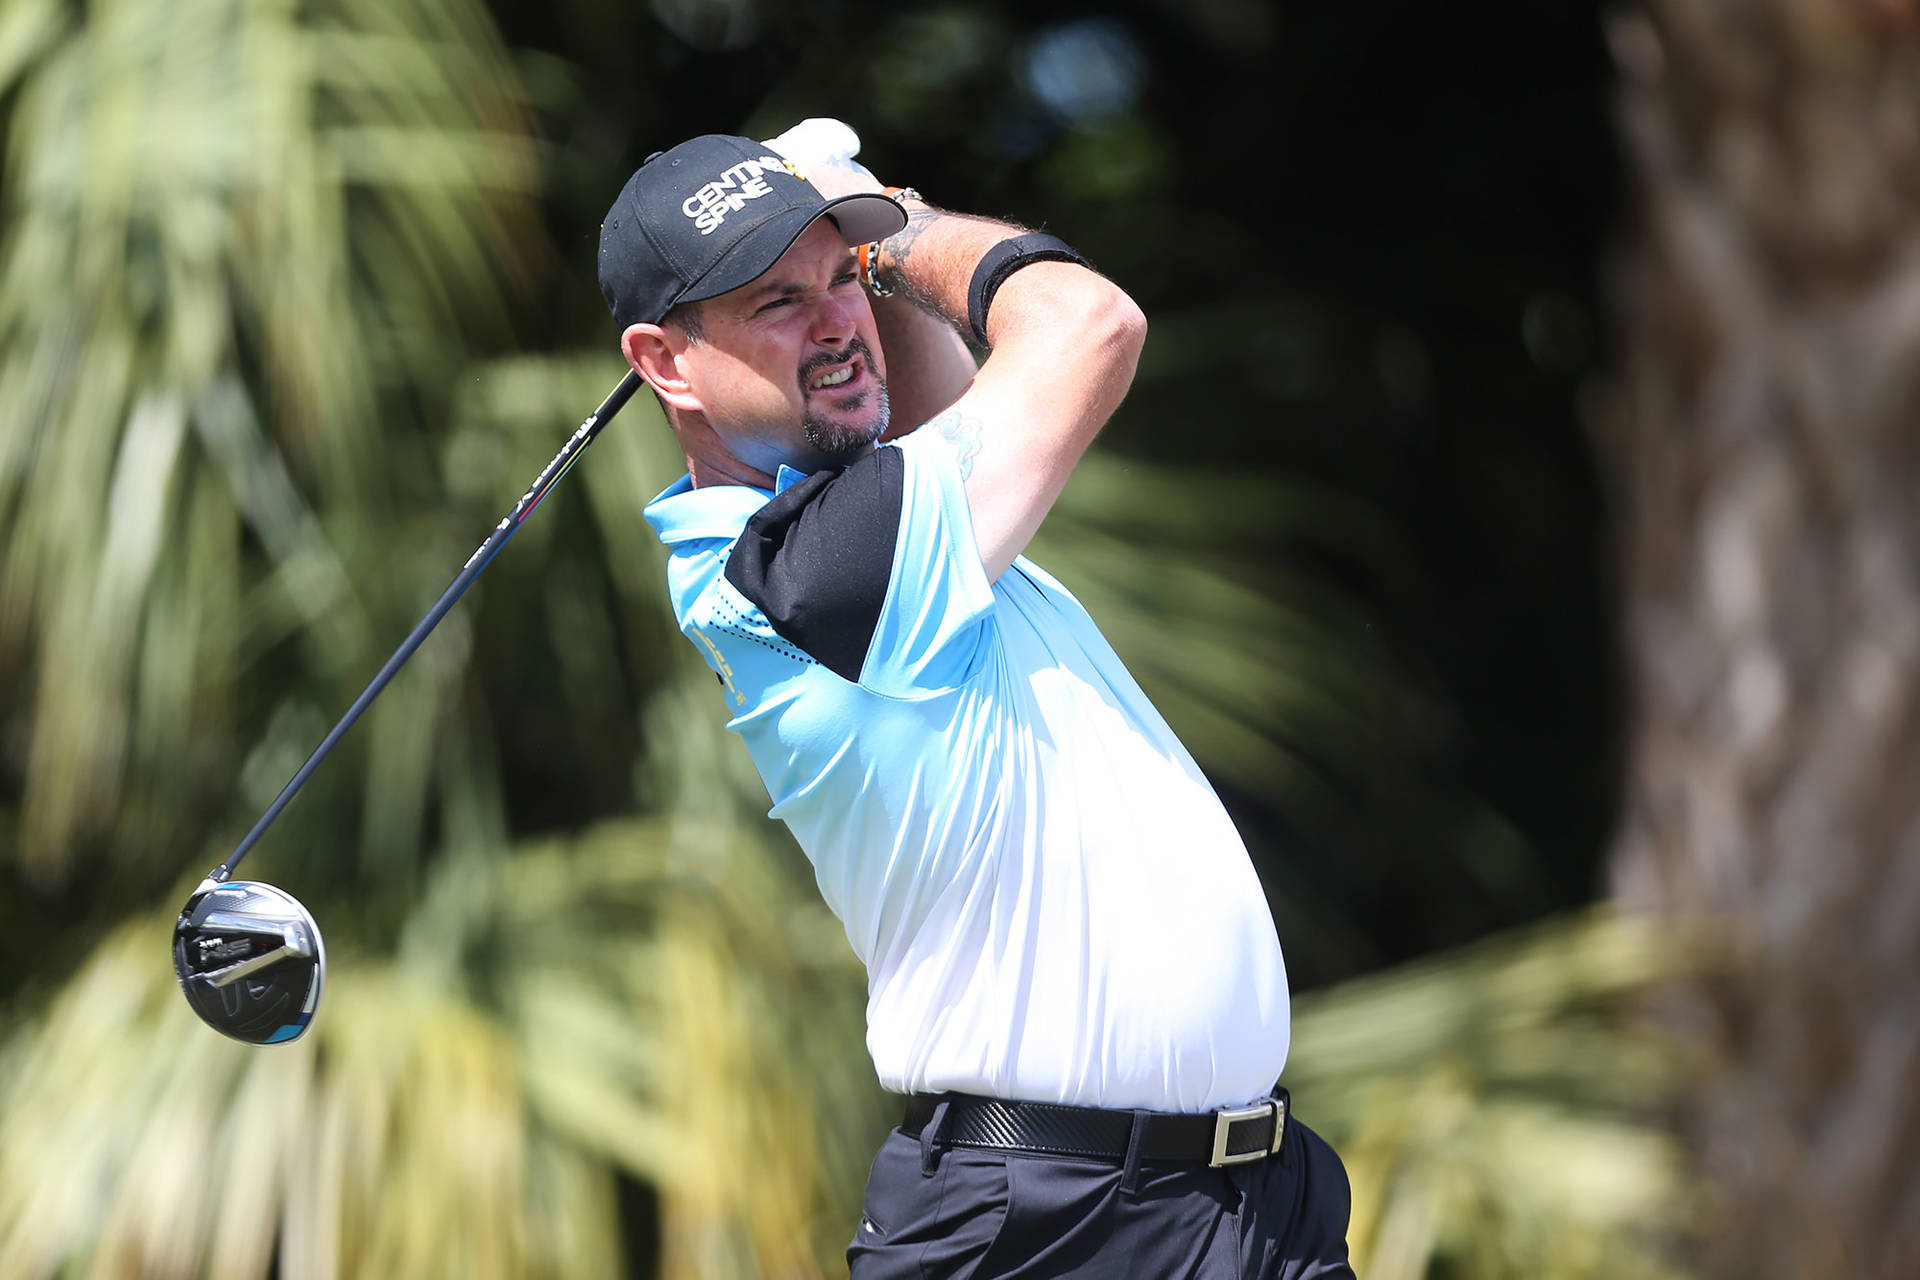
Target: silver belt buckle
point(1224, 1121)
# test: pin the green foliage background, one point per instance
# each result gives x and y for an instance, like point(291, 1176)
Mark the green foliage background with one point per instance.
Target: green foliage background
point(295, 297)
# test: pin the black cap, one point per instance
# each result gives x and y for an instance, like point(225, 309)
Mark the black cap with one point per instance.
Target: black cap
point(711, 215)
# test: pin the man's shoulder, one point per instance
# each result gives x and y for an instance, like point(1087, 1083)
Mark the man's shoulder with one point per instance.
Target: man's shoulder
point(816, 560)
point(824, 568)
point(800, 571)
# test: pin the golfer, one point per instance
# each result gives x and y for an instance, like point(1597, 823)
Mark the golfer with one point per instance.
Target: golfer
point(1072, 972)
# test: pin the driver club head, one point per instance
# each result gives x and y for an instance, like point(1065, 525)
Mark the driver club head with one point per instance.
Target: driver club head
point(250, 960)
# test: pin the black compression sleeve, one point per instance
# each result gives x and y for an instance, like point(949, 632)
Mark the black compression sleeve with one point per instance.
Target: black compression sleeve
point(1002, 261)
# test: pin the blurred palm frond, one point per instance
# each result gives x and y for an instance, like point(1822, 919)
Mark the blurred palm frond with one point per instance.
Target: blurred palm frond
point(240, 237)
point(643, 1000)
point(1500, 1108)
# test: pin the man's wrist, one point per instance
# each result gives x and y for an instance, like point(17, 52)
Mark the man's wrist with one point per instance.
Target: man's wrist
point(930, 262)
point(892, 255)
point(868, 255)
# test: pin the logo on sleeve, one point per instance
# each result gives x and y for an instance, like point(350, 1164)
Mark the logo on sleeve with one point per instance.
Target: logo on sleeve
point(721, 667)
point(729, 193)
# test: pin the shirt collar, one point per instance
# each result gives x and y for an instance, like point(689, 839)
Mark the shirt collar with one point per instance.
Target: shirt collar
point(682, 513)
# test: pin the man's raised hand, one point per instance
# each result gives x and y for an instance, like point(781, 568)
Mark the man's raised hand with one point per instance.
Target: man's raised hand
point(823, 149)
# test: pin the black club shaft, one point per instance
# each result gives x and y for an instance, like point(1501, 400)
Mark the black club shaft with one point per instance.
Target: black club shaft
point(476, 564)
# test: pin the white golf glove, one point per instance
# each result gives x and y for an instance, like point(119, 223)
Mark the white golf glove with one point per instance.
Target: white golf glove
point(822, 142)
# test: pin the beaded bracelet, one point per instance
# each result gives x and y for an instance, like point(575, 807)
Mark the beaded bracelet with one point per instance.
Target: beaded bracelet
point(868, 255)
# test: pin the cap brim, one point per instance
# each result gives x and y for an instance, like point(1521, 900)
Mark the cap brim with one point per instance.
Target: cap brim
point(861, 218)
point(866, 217)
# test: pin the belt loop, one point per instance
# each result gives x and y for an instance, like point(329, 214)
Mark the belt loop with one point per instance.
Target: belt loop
point(1130, 1171)
point(1281, 1118)
point(934, 1129)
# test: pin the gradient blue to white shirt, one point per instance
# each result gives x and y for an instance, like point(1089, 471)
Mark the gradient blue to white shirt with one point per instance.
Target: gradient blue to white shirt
point(1050, 901)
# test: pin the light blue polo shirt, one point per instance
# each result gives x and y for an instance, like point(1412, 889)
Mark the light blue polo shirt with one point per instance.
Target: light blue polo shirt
point(1050, 901)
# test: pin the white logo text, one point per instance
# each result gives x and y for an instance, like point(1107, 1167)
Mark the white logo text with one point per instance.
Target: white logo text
point(710, 205)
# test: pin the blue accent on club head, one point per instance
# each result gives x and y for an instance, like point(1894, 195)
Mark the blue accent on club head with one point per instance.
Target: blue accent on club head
point(287, 1032)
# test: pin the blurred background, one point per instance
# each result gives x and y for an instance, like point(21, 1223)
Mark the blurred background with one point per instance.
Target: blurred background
point(1514, 513)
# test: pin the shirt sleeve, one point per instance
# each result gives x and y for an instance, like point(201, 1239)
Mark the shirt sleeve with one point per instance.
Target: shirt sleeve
point(873, 571)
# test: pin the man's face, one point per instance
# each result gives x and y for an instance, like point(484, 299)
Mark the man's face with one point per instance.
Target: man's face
point(789, 368)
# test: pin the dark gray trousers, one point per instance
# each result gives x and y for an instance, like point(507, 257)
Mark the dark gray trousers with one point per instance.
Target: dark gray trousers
point(981, 1214)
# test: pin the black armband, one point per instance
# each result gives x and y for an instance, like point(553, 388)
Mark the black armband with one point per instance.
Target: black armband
point(1002, 261)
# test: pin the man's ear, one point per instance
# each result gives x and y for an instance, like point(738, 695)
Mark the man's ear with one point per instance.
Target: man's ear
point(652, 352)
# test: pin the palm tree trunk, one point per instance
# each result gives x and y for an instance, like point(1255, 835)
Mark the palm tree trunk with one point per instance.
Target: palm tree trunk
point(1766, 454)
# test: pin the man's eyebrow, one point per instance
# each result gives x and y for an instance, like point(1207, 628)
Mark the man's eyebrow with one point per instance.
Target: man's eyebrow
point(787, 288)
point(783, 287)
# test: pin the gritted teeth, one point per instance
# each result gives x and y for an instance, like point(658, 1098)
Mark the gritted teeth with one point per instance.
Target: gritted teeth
point(833, 377)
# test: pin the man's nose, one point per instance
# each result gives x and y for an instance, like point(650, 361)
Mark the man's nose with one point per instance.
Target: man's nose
point(836, 320)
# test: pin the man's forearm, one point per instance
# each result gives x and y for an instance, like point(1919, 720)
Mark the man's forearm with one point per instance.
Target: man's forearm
point(1064, 343)
point(929, 364)
point(932, 259)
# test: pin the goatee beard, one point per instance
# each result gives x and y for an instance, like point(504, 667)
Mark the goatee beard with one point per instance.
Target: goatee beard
point(839, 442)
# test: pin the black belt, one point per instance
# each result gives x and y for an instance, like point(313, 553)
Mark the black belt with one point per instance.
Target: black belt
point(1232, 1136)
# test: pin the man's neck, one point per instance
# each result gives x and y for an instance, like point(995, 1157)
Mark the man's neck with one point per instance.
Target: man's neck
point(707, 469)
point(717, 471)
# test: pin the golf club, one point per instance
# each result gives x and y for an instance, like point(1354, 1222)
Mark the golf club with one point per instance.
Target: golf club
point(249, 956)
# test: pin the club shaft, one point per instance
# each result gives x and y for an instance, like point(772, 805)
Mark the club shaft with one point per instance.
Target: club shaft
point(475, 565)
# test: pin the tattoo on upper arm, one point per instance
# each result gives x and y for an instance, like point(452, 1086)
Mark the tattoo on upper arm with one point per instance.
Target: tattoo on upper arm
point(963, 432)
